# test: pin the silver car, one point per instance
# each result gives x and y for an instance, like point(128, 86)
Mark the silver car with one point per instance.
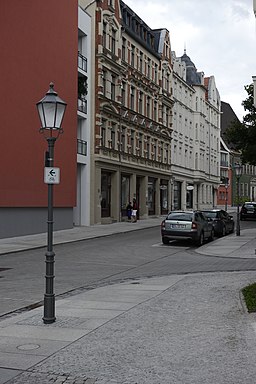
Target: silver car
point(192, 225)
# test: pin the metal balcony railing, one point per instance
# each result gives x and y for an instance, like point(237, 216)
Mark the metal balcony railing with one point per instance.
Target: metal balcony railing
point(82, 147)
point(82, 105)
point(82, 62)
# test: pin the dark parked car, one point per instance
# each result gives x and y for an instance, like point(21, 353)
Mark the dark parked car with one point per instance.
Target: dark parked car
point(248, 210)
point(222, 222)
point(192, 225)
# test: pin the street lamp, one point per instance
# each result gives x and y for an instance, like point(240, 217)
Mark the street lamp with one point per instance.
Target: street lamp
point(51, 110)
point(238, 172)
point(226, 194)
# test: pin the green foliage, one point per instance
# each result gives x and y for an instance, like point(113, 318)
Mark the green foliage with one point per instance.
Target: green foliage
point(242, 199)
point(249, 294)
point(242, 136)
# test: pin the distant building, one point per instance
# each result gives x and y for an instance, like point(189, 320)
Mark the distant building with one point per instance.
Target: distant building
point(231, 156)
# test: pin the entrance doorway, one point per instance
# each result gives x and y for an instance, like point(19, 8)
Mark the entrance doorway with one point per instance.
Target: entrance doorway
point(105, 194)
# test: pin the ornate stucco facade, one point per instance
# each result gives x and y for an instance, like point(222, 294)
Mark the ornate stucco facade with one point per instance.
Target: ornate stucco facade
point(131, 114)
point(196, 136)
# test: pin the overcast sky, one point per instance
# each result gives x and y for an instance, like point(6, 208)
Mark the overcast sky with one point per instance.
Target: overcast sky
point(219, 36)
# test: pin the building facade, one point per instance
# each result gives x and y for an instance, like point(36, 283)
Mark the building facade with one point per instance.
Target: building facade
point(195, 138)
point(132, 117)
point(84, 113)
point(30, 60)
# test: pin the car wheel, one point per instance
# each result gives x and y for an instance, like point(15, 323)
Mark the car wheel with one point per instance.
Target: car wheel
point(165, 240)
point(200, 241)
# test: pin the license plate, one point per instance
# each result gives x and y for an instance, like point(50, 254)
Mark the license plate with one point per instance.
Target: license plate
point(178, 226)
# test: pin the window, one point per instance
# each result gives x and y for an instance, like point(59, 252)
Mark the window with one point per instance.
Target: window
point(141, 102)
point(113, 87)
point(140, 144)
point(148, 107)
point(149, 68)
point(141, 62)
point(167, 154)
point(113, 41)
point(132, 98)
point(155, 110)
point(124, 43)
point(148, 148)
point(113, 138)
point(123, 92)
point(168, 82)
point(133, 56)
point(103, 135)
point(155, 150)
point(104, 42)
point(104, 82)
point(155, 73)
point(132, 141)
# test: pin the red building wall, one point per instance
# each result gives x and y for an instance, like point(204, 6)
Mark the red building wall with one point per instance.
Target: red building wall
point(38, 44)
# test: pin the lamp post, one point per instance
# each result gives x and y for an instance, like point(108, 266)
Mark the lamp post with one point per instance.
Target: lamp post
point(226, 194)
point(51, 110)
point(238, 172)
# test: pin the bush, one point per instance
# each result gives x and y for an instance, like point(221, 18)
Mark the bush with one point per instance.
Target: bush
point(249, 294)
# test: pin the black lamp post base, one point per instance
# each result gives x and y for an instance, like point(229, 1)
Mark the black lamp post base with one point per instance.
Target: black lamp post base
point(49, 309)
point(49, 320)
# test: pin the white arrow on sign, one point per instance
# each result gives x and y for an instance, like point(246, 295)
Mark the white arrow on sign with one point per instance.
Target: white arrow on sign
point(51, 175)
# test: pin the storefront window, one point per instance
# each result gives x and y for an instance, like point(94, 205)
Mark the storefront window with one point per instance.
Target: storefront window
point(105, 194)
point(151, 195)
point(125, 193)
point(164, 197)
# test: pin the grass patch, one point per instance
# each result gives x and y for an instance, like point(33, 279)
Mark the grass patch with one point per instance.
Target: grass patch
point(249, 293)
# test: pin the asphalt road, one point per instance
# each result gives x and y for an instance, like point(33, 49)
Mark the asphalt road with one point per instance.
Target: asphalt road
point(100, 261)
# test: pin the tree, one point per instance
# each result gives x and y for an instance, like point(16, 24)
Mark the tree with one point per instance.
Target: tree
point(242, 136)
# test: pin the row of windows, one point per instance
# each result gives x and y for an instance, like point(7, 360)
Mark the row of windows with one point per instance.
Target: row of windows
point(134, 99)
point(136, 144)
point(249, 169)
point(139, 60)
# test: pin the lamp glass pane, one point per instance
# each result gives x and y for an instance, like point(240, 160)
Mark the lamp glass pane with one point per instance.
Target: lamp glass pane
point(59, 114)
point(41, 114)
point(49, 111)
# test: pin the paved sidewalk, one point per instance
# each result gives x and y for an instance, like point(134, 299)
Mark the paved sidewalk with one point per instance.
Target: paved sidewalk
point(21, 243)
point(179, 329)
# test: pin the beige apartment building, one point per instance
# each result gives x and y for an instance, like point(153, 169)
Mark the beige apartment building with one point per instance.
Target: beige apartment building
point(131, 114)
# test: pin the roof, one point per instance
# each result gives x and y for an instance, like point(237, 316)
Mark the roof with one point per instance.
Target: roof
point(192, 77)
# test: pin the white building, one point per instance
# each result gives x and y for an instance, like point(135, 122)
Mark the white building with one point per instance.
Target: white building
point(196, 137)
point(82, 209)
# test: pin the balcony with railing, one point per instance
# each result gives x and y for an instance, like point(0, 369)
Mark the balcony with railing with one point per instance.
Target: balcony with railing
point(82, 105)
point(81, 147)
point(82, 62)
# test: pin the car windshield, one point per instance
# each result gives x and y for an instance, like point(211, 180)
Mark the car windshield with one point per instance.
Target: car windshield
point(181, 216)
point(250, 205)
point(210, 214)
